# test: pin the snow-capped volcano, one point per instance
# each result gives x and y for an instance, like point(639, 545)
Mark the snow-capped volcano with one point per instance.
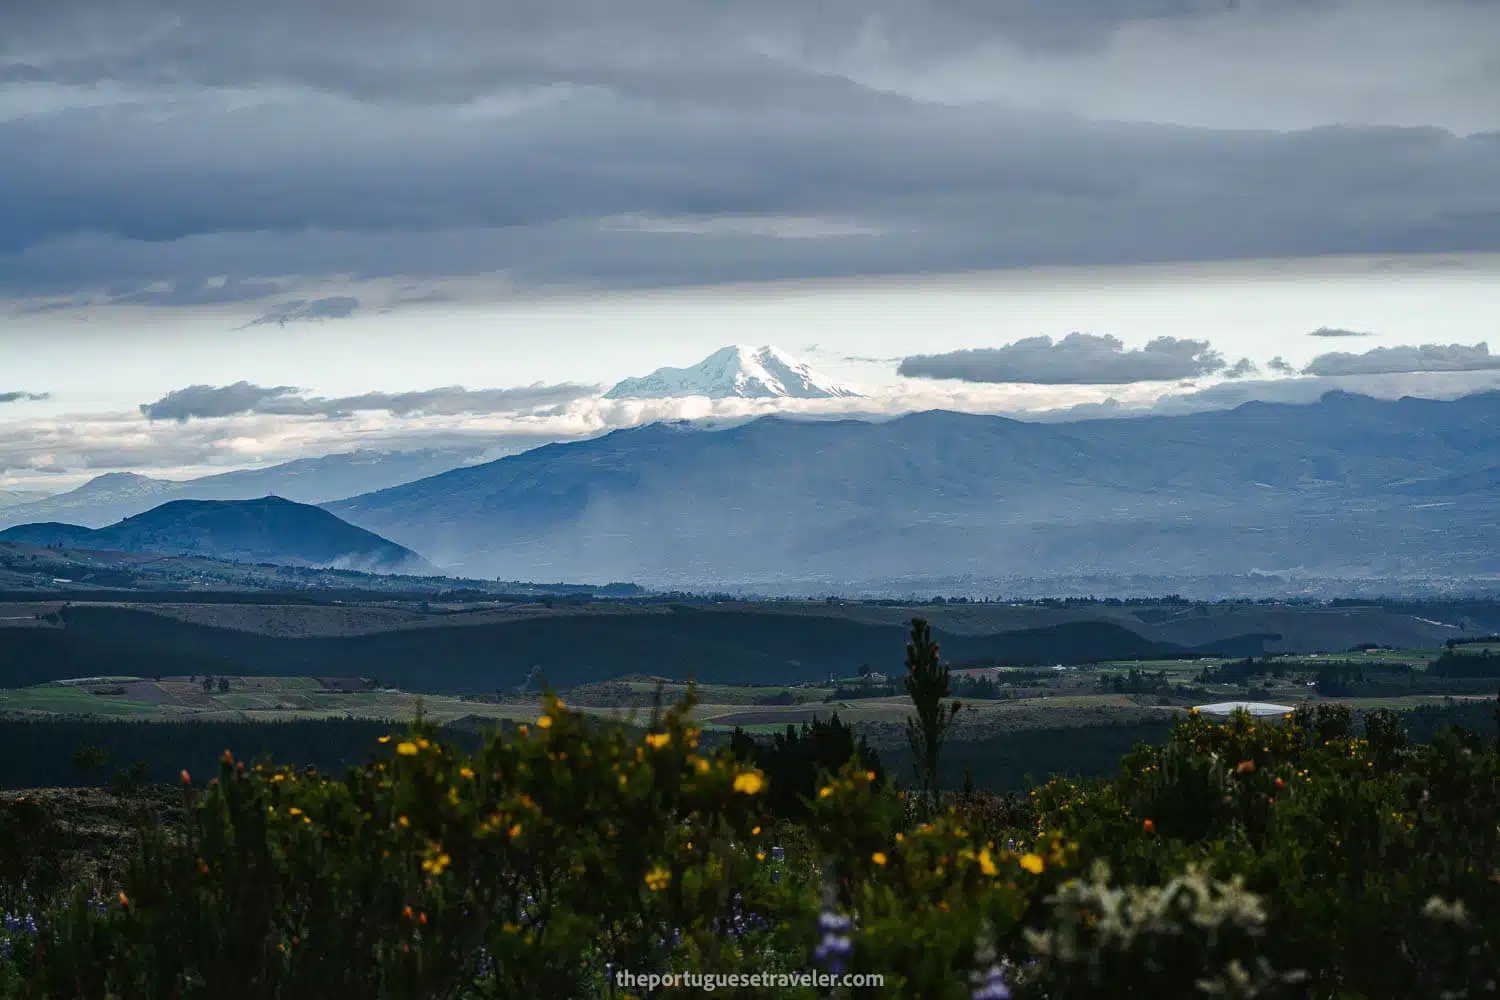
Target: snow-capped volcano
point(737, 371)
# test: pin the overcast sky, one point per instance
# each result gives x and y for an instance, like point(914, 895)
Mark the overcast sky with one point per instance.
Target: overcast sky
point(404, 222)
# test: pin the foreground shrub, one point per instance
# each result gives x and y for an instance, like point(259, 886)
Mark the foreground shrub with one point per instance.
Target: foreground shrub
point(1246, 858)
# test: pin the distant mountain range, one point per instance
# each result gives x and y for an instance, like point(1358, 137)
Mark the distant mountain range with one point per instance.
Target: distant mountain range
point(9, 498)
point(737, 371)
point(1349, 486)
point(108, 498)
point(266, 530)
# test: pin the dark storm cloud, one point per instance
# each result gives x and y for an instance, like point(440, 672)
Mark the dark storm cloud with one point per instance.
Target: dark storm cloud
point(1077, 359)
point(1281, 366)
point(23, 397)
point(451, 137)
point(88, 200)
point(834, 55)
point(304, 310)
point(1333, 331)
point(457, 50)
point(207, 402)
point(1242, 368)
point(1391, 360)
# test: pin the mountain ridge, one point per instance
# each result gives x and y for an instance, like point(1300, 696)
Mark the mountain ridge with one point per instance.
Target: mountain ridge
point(1300, 488)
point(112, 496)
point(264, 530)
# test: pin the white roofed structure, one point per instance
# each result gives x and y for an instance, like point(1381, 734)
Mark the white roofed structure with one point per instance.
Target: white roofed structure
point(1253, 707)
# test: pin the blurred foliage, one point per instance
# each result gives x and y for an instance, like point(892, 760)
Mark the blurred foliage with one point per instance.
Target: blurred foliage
point(1302, 857)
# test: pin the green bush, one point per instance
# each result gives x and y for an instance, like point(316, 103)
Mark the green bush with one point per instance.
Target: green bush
point(1269, 858)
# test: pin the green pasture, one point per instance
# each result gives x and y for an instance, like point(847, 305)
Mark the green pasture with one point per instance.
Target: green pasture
point(60, 700)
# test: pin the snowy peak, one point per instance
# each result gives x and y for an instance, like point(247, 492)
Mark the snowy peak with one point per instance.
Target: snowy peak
point(739, 372)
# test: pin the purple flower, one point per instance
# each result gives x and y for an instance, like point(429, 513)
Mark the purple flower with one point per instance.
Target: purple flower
point(988, 977)
point(991, 985)
point(836, 947)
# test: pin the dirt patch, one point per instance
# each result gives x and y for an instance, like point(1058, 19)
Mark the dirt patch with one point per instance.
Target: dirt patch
point(149, 692)
point(98, 831)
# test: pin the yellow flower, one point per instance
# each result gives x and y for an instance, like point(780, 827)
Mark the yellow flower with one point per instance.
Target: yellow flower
point(702, 765)
point(406, 748)
point(402, 820)
point(658, 878)
point(825, 791)
point(750, 782)
point(878, 857)
point(869, 775)
point(658, 740)
point(760, 855)
point(1033, 863)
point(515, 831)
point(295, 811)
point(467, 772)
point(385, 739)
point(755, 832)
point(545, 722)
point(986, 863)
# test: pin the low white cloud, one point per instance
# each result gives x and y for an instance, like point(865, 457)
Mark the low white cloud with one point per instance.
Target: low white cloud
point(60, 452)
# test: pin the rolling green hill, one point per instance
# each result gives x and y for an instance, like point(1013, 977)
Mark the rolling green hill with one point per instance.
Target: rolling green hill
point(717, 647)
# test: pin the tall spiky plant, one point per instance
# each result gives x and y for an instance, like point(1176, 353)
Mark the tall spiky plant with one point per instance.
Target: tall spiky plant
point(927, 685)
